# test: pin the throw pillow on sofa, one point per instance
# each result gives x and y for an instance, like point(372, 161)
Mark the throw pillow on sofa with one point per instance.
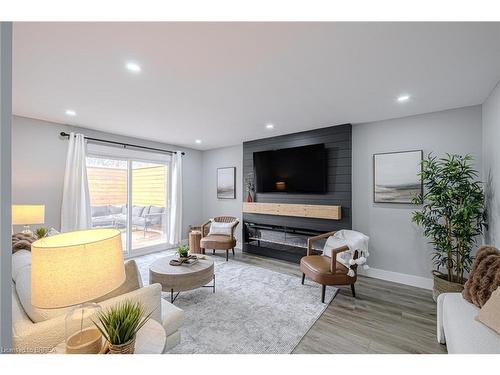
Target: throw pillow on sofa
point(489, 314)
point(220, 228)
point(484, 276)
point(21, 275)
point(99, 211)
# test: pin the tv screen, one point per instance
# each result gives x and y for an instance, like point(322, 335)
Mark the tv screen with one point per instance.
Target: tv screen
point(291, 170)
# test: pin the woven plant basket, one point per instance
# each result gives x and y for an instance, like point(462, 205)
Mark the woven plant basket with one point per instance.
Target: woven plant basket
point(127, 348)
point(441, 285)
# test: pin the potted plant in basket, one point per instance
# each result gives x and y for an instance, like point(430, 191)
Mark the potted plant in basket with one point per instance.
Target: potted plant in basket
point(452, 216)
point(119, 325)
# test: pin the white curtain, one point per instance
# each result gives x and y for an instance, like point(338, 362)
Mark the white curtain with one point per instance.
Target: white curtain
point(175, 222)
point(75, 209)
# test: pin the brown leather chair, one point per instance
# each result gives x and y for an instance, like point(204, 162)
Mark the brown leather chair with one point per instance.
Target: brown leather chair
point(326, 270)
point(219, 241)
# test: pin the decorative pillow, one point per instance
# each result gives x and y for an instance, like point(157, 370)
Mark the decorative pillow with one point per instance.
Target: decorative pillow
point(132, 282)
point(23, 289)
point(137, 211)
point(52, 232)
point(113, 210)
point(220, 228)
point(22, 241)
point(489, 314)
point(99, 211)
point(484, 277)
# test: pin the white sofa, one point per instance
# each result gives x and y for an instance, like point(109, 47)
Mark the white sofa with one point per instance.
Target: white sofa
point(458, 329)
point(49, 330)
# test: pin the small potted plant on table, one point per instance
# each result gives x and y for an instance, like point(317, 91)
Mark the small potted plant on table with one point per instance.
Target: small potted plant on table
point(183, 251)
point(119, 325)
point(452, 216)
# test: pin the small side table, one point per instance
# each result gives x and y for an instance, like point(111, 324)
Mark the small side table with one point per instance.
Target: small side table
point(194, 241)
point(150, 339)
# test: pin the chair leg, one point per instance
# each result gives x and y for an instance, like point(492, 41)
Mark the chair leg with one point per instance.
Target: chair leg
point(353, 291)
point(303, 278)
point(203, 251)
point(233, 251)
point(323, 290)
point(213, 251)
point(227, 255)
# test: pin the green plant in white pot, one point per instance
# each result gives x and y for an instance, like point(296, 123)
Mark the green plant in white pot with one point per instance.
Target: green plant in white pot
point(452, 217)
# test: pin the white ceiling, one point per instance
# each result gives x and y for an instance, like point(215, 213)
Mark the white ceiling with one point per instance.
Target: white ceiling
point(222, 82)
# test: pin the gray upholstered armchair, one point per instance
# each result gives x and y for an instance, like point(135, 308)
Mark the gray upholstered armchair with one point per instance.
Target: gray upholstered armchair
point(218, 241)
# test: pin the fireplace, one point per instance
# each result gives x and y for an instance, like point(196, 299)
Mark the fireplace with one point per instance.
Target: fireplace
point(280, 242)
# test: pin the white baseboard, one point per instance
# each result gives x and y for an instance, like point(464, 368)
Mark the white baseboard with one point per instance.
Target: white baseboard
point(396, 277)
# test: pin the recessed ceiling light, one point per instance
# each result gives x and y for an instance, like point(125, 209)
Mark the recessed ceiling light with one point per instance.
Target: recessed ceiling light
point(269, 126)
point(403, 98)
point(198, 141)
point(70, 112)
point(133, 67)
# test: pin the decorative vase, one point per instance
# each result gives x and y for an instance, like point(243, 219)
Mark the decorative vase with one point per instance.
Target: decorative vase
point(249, 197)
point(442, 285)
point(127, 348)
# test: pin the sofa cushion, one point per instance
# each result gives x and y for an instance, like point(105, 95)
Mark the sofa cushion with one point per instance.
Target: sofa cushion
point(20, 259)
point(172, 317)
point(489, 314)
point(23, 290)
point(484, 277)
point(463, 334)
point(99, 211)
point(137, 210)
point(113, 209)
point(132, 282)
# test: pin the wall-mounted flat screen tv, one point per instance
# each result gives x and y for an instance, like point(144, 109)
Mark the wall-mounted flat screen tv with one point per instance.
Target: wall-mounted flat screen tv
point(291, 170)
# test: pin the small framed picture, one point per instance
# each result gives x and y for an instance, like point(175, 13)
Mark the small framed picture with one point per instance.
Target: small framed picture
point(395, 176)
point(226, 183)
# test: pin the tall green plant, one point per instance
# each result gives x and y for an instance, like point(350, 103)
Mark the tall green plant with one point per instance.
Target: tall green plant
point(453, 212)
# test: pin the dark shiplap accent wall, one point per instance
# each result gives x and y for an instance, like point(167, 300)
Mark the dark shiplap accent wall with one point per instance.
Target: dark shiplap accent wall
point(337, 140)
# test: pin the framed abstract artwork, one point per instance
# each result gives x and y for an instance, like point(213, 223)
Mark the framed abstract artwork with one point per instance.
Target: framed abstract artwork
point(226, 183)
point(395, 176)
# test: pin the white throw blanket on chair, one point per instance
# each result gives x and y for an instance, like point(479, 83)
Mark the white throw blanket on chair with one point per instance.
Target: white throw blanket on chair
point(355, 241)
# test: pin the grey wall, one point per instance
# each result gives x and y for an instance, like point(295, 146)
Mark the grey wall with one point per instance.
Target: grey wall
point(491, 164)
point(337, 141)
point(5, 185)
point(39, 158)
point(218, 158)
point(396, 244)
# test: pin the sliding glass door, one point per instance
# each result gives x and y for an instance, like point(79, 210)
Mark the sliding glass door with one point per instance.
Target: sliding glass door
point(130, 194)
point(149, 204)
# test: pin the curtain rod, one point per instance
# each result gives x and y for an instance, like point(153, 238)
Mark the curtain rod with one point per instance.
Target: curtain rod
point(64, 134)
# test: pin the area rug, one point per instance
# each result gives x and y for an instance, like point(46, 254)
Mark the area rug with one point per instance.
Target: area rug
point(254, 310)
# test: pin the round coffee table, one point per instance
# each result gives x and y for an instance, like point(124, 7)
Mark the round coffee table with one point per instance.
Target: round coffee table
point(181, 278)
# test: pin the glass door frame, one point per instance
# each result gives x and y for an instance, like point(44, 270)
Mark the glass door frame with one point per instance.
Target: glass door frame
point(129, 252)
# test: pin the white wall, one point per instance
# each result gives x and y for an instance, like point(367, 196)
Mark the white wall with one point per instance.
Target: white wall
point(39, 157)
point(219, 158)
point(398, 249)
point(5, 185)
point(491, 164)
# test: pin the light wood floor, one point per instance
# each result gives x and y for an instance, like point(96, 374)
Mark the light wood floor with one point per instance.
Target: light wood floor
point(384, 317)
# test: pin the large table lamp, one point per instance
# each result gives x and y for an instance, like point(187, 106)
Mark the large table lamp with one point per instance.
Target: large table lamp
point(74, 269)
point(28, 214)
